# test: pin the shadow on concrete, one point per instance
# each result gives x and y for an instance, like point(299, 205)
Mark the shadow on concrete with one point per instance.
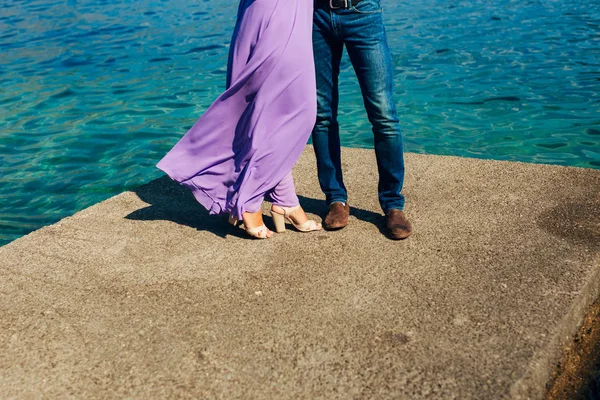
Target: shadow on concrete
point(572, 222)
point(320, 208)
point(170, 201)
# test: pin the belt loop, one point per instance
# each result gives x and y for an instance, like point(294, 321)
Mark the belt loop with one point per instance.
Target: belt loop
point(341, 4)
point(337, 8)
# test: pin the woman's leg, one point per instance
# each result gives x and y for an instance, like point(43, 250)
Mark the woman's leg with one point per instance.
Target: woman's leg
point(284, 197)
point(284, 193)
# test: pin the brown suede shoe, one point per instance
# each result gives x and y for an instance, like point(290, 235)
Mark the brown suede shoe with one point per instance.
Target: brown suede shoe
point(337, 217)
point(398, 226)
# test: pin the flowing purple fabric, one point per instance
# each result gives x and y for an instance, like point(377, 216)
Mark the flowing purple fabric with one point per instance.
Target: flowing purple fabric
point(244, 146)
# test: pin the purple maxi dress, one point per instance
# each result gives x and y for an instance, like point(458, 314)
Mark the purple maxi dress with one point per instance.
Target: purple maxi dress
point(243, 148)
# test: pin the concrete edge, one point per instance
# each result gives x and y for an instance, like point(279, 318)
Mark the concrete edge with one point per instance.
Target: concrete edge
point(543, 366)
point(579, 372)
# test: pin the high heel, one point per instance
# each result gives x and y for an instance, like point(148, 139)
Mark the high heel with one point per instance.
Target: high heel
point(280, 219)
point(259, 232)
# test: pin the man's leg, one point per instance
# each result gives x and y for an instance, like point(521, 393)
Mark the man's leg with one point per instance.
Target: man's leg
point(366, 41)
point(370, 56)
point(326, 135)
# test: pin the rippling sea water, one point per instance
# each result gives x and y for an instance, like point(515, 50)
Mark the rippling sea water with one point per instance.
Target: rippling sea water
point(93, 93)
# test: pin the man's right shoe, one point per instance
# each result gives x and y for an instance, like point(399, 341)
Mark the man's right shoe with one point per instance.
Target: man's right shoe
point(337, 217)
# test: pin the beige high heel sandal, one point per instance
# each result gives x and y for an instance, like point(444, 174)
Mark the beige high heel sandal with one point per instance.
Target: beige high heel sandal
point(280, 219)
point(259, 232)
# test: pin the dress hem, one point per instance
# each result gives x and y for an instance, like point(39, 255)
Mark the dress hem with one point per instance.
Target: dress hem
point(200, 194)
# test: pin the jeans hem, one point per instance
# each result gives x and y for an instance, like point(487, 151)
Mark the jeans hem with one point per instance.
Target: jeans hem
point(330, 202)
point(387, 209)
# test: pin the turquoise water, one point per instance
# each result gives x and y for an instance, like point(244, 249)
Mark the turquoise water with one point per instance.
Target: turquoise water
point(93, 93)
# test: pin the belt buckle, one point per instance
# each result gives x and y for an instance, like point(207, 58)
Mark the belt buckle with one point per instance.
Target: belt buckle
point(337, 8)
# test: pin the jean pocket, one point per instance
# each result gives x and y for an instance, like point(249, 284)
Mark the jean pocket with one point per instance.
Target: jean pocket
point(367, 7)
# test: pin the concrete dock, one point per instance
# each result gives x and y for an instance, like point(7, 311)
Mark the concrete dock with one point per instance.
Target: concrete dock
point(146, 296)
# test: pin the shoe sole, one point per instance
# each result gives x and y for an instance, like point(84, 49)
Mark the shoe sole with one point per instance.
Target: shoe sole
point(334, 228)
point(400, 237)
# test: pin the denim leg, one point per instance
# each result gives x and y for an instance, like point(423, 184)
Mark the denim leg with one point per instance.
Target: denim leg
point(366, 42)
point(326, 134)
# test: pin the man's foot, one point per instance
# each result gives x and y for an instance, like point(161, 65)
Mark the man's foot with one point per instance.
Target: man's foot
point(337, 217)
point(398, 225)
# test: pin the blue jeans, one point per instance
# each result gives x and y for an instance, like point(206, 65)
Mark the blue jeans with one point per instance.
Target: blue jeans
point(361, 30)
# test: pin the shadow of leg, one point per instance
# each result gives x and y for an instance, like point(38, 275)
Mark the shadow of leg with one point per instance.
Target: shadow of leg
point(320, 208)
point(170, 201)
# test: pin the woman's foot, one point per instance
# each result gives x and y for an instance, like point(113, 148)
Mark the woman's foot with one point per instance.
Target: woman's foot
point(254, 225)
point(294, 215)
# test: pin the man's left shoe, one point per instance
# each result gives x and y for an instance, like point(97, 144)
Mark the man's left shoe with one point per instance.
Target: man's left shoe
point(397, 224)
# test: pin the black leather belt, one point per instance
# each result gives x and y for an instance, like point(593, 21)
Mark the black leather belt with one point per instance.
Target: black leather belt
point(338, 4)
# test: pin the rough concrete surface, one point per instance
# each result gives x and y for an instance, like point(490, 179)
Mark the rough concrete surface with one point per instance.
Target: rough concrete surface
point(146, 296)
